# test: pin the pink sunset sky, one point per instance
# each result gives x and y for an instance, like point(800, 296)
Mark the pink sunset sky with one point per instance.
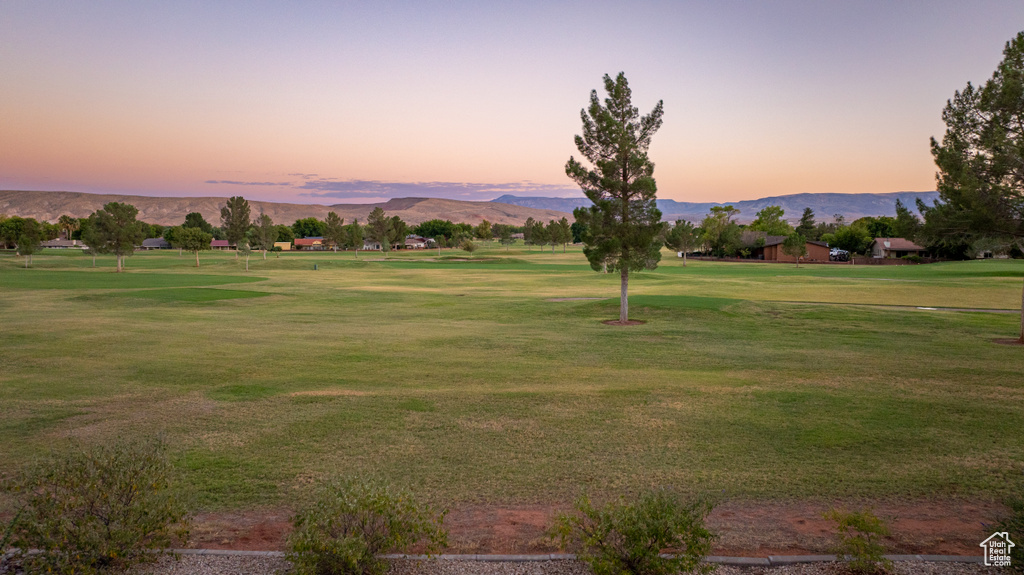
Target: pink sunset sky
point(337, 102)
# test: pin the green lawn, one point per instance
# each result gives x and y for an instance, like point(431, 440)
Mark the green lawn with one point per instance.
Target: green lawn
point(461, 380)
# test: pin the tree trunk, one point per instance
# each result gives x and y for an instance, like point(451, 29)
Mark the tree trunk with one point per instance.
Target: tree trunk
point(94, 259)
point(197, 258)
point(246, 263)
point(1022, 316)
point(26, 262)
point(179, 252)
point(684, 258)
point(624, 297)
point(264, 254)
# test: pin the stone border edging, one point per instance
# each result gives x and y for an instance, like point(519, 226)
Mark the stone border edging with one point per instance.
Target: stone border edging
point(770, 561)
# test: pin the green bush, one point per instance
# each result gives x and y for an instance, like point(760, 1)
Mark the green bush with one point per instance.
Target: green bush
point(468, 246)
point(628, 538)
point(912, 258)
point(1013, 524)
point(348, 522)
point(97, 509)
point(857, 534)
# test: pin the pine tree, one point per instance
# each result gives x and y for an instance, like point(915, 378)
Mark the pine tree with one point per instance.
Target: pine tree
point(624, 223)
point(980, 179)
point(334, 230)
point(234, 218)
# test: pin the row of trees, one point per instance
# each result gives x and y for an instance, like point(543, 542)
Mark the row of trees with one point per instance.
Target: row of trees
point(554, 233)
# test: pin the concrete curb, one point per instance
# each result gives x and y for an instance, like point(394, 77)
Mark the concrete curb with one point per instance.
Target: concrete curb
point(770, 561)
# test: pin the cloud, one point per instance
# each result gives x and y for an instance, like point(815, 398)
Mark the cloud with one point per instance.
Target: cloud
point(236, 183)
point(303, 176)
point(366, 189)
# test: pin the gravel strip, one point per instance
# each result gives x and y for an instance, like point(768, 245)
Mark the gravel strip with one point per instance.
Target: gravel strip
point(249, 565)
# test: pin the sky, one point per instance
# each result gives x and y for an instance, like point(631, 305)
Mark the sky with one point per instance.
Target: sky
point(346, 102)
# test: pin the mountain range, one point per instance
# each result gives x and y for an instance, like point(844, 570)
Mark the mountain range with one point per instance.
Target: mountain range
point(49, 206)
point(825, 206)
point(506, 209)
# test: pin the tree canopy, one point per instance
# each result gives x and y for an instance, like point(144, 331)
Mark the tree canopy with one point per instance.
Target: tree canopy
point(234, 218)
point(682, 237)
point(624, 223)
point(981, 161)
point(194, 240)
point(379, 228)
point(769, 220)
point(309, 228)
point(116, 231)
point(334, 230)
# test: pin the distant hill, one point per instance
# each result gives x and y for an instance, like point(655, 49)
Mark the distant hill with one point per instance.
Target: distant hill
point(851, 206)
point(49, 206)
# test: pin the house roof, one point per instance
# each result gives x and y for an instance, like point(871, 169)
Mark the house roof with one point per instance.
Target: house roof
point(219, 244)
point(898, 244)
point(155, 243)
point(308, 241)
point(59, 243)
point(778, 240)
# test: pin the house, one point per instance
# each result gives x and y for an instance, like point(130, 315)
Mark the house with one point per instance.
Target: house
point(63, 244)
point(371, 245)
point(155, 244)
point(283, 246)
point(315, 243)
point(771, 251)
point(895, 248)
point(415, 243)
point(220, 245)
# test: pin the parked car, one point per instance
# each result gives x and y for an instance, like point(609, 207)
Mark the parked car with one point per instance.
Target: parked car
point(838, 255)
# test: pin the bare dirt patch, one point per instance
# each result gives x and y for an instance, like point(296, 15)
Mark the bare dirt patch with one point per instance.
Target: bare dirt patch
point(574, 298)
point(328, 393)
point(745, 528)
point(627, 322)
point(1008, 341)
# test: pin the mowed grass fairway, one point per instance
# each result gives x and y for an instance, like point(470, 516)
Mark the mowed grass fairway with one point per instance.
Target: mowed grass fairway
point(462, 381)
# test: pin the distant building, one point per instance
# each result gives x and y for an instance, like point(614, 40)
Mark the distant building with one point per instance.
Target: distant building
point(415, 243)
point(771, 251)
point(220, 245)
point(63, 244)
point(285, 246)
point(371, 245)
point(155, 244)
point(895, 248)
point(309, 243)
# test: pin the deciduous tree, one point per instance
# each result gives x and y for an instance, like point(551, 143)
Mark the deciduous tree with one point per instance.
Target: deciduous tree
point(195, 240)
point(116, 231)
point(681, 238)
point(29, 238)
point(795, 246)
point(769, 220)
point(721, 232)
point(263, 234)
point(354, 236)
point(624, 223)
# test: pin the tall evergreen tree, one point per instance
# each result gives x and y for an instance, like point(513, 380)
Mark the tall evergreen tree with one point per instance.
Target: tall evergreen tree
point(806, 226)
point(116, 231)
point(234, 218)
point(334, 230)
point(354, 237)
point(624, 223)
point(379, 228)
point(981, 161)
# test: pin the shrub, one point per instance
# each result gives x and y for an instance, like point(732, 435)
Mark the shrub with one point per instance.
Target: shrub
point(349, 521)
point(912, 258)
point(468, 246)
point(97, 509)
point(1013, 524)
point(629, 537)
point(857, 534)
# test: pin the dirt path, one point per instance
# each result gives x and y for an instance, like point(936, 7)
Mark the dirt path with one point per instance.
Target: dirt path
point(744, 528)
